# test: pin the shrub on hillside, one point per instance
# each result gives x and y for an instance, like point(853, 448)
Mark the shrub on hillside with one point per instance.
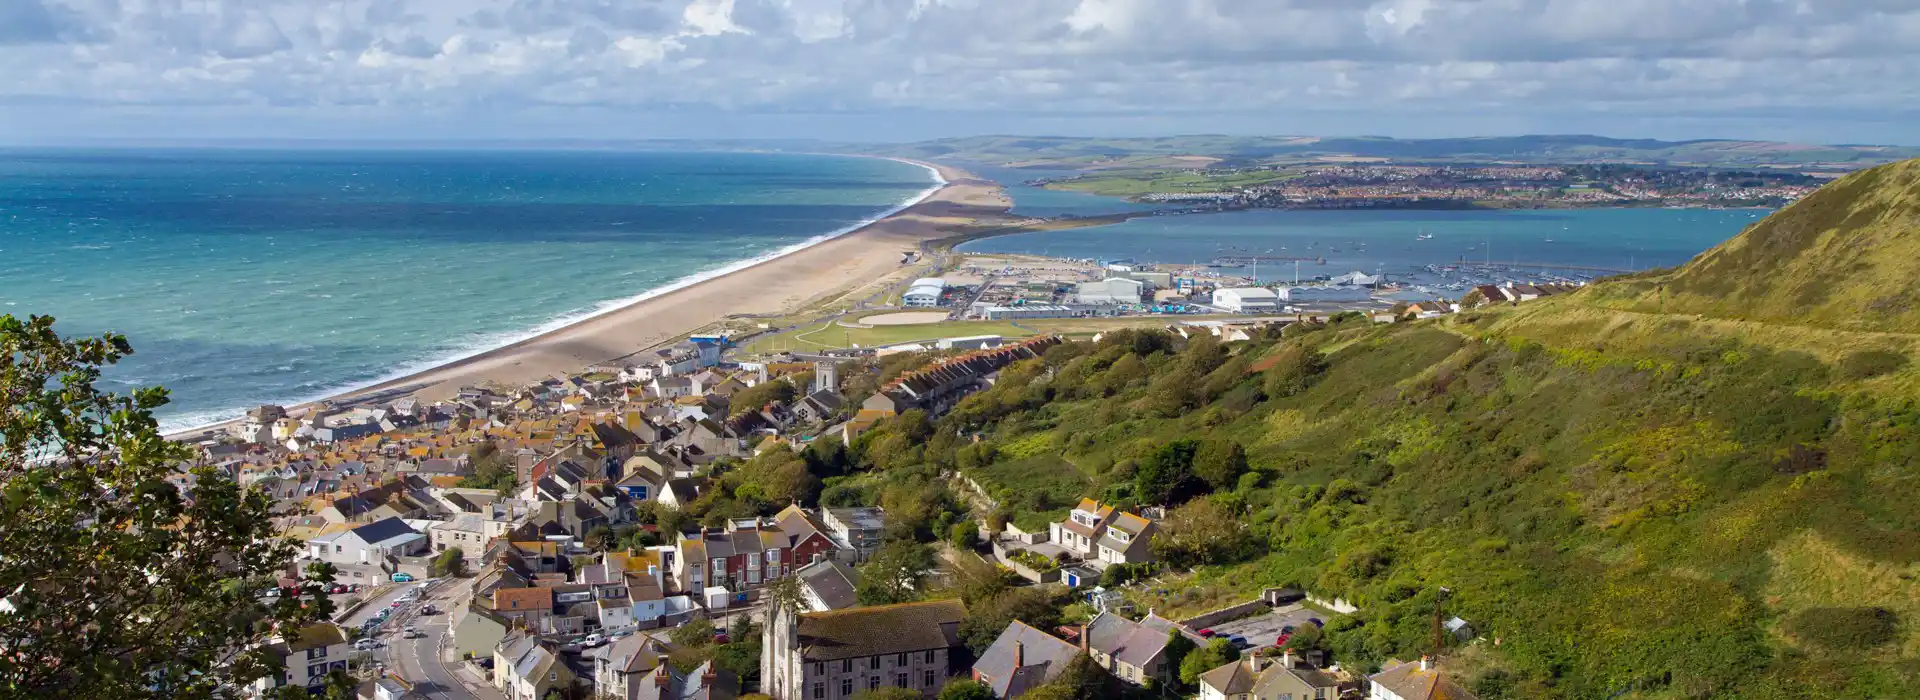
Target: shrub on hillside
point(1844, 628)
point(1867, 364)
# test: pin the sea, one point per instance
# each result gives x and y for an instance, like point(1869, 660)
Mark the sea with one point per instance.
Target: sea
point(1441, 252)
point(243, 277)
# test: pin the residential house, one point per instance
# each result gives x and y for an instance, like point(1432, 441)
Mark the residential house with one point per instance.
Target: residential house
point(636, 668)
point(467, 533)
point(525, 669)
point(307, 657)
point(1263, 678)
point(1022, 658)
point(834, 655)
point(938, 386)
point(856, 530)
point(1082, 529)
point(740, 556)
point(1419, 680)
point(828, 585)
point(1124, 541)
point(531, 606)
point(809, 538)
point(371, 543)
point(1134, 652)
point(819, 406)
point(476, 631)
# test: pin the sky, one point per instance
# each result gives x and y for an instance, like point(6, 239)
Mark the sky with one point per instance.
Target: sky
point(1825, 71)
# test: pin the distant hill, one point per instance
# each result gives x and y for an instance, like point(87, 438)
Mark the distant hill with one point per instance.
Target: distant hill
point(1663, 487)
point(1846, 257)
point(1076, 151)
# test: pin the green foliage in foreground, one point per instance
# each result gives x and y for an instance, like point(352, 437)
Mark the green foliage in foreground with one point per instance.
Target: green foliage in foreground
point(1641, 514)
point(118, 582)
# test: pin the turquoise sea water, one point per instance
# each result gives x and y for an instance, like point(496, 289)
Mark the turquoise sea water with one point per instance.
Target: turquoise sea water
point(249, 276)
point(1509, 244)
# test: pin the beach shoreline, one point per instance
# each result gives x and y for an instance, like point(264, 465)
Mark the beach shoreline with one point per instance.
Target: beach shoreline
point(780, 282)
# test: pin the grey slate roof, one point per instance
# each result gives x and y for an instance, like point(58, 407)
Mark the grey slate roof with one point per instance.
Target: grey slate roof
point(1125, 640)
point(1042, 658)
point(832, 581)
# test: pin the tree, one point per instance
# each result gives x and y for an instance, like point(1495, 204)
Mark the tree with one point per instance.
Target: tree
point(1295, 369)
point(1166, 475)
point(966, 689)
point(894, 573)
point(601, 538)
point(986, 619)
point(491, 470)
point(756, 397)
point(1215, 654)
point(1081, 680)
point(963, 536)
point(784, 595)
point(1201, 532)
point(697, 632)
point(116, 582)
point(1177, 648)
point(452, 562)
point(1220, 462)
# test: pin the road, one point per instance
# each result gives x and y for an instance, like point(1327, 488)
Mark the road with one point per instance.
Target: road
point(419, 660)
point(380, 600)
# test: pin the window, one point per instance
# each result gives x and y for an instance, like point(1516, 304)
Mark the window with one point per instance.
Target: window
point(873, 663)
point(900, 659)
point(819, 668)
point(929, 656)
point(846, 687)
point(899, 680)
point(819, 690)
point(846, 666)
point(873, 682)
point(553, 676)
point(928, 678)
point(317, 653)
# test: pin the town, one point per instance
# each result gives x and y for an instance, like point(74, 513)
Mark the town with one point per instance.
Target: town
point(1367, 185)
point(654, 529)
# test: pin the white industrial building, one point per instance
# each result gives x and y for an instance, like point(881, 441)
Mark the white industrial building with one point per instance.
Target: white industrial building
point(1006, 313)
point(1112, 290)
point(1246, 299)
point(1302, 295)
point(925, 291)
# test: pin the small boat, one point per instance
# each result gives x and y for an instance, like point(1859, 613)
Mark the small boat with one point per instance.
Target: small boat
point(1424, 236)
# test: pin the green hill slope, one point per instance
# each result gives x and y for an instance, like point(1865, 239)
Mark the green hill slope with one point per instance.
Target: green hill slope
point(1626, 502)
point(1846, 257)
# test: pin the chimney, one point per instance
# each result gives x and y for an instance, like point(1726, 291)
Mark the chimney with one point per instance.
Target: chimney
point(1426, 663)
point(1083, 639)
point(706, 679)
point(661, 678)
point(1286, 659)
point(1019, 655)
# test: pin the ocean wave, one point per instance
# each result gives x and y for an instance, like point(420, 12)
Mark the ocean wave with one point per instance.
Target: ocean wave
point(490, 342)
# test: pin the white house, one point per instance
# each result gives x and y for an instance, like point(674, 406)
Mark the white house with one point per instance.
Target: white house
point(309, 655)
point(1246, 299)
point(369, 543)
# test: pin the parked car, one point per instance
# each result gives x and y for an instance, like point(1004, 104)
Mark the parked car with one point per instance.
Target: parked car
point(402, 577)
point(367, 644)
point(1281, 640)
point(429, 610)
point(721, 638)
point(593, 640)
point(1206, 633)
point(1238, 642)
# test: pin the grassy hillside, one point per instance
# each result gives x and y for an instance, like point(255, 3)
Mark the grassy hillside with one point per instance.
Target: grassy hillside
point(1056, 151)
point(1846, 257)
point(1630, 496)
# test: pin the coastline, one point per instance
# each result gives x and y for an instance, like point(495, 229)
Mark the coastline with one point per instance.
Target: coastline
point(780, 281)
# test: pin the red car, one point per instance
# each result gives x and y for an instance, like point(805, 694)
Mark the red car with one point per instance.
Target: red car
point(1281, 640)
point(721, 638)
point(1207, 633)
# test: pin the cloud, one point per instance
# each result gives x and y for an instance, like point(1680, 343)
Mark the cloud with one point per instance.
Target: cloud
point(1108, 63)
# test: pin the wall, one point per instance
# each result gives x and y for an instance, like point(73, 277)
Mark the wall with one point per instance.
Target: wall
point(1233, 612)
